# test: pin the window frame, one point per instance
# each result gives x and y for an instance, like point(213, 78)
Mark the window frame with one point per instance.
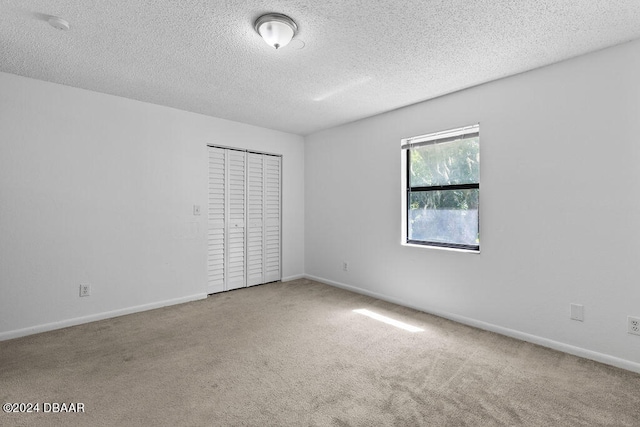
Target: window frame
point(432, 138)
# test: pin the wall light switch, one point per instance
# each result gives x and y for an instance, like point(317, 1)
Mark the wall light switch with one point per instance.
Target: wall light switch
point(577, 312)
point(196, 209)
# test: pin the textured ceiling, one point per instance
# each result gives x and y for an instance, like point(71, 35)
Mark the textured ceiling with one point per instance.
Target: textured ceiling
point(359, 58)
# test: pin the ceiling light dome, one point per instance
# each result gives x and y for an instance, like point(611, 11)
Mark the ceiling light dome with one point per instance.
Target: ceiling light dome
point(276, 29)
point(58, 23)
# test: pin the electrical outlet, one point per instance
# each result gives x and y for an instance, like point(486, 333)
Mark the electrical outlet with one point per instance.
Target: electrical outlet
point(196, 209)
point(633, 325)
point(345, 266)
point(85, 290)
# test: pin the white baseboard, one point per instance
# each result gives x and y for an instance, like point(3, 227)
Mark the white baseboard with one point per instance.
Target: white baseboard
point(556, 345)
point(294, 277)
point(93, 317)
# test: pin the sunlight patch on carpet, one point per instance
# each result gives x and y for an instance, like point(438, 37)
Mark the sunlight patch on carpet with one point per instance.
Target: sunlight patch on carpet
point(388, 320)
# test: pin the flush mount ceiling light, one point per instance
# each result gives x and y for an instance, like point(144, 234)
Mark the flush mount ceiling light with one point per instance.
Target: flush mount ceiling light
point(276, 29)
point(58, 23)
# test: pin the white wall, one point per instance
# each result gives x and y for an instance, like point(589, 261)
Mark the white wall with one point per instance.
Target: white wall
point(560, 210)
point(99, 189)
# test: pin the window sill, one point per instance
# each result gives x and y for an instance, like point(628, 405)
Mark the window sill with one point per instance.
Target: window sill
point(440, 248)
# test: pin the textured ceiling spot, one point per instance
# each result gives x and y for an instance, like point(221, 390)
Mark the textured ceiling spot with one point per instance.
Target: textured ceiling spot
point(342, 88)
point(297, 44)
point(206, 57)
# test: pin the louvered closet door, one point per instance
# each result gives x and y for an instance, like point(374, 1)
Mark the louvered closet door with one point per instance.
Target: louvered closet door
point(244, 219)
point(272, 218)
point(255, 219)
point(216, 220)
point(235, 248)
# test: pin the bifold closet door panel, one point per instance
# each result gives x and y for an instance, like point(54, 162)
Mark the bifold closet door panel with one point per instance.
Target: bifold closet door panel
point(216, 221)
point(272, 218)
point(255, 219)
point(236, 237)
point(244, 219)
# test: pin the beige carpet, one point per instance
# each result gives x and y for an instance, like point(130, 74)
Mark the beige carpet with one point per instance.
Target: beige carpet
point(295, 354)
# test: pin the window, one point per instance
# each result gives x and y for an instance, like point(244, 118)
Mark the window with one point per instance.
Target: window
point(443, 188)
